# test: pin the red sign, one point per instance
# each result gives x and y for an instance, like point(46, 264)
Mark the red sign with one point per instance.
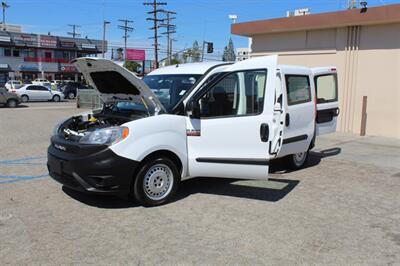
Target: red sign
point(68, 69)
point(135, 55)
point(48, 41)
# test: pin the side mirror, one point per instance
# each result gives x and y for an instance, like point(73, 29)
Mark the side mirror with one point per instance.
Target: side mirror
point(193, 109)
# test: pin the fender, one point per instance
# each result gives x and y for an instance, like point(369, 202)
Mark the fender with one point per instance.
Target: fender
point(160, 132)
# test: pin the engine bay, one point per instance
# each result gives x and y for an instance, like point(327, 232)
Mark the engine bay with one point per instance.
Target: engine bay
point(78, 126)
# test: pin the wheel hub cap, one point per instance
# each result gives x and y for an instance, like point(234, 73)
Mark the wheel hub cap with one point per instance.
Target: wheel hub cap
point(158, 182)
point(299, 158)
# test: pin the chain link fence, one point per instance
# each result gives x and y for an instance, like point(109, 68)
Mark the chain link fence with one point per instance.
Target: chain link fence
point(88, 99)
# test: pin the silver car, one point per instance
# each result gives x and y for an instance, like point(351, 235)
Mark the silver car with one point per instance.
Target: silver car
point(33, 92)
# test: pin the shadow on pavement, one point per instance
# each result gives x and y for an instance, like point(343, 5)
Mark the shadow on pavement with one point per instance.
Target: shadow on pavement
point(272, 190)
point(100, 201)
point(278, 166)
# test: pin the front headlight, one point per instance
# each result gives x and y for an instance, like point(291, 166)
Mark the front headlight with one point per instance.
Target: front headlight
point(107, 136)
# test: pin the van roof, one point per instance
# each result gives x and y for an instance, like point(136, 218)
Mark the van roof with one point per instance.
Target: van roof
point(188, 68)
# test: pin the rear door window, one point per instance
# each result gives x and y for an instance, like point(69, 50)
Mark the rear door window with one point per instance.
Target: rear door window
point(298, 89)
point(326, 87)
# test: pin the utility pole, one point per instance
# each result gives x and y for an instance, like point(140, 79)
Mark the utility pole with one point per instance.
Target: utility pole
point(155, 25)
point(126, 28)
point(74, 33)
point(4, 6)
point(170, 29)
point(103, 44)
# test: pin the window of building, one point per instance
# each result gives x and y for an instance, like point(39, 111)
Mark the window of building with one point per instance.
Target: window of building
point(7, 51)
point(58, 54)
point(47, 54)
point(298, 89)
point(15, 53)
point(326, 87)
point(29, 53)
point(237, 94)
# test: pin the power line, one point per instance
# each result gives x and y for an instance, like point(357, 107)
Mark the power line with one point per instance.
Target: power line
point(156, 21)
point(74, 33)
point(126, 28)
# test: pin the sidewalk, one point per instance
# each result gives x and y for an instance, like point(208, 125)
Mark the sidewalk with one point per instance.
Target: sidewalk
point(378, 151)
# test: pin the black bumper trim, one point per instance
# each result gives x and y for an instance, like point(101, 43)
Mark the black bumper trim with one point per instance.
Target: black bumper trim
point(101, 172)
point(295, 139)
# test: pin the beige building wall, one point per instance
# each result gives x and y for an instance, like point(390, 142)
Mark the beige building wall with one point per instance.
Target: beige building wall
point(368, 64)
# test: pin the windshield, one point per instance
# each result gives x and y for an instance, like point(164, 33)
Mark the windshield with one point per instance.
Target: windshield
point(169, 89)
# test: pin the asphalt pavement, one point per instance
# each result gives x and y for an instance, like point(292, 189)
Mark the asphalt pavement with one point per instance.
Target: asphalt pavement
point(343, 208)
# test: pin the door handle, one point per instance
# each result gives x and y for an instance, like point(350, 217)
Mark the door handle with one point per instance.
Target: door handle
point(264, 132)
point(287, 120)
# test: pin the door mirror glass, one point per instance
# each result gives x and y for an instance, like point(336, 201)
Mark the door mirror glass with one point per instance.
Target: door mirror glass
point(193, 109)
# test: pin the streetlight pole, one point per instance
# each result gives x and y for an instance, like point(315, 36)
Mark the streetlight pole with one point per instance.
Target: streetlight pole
point(103, 44)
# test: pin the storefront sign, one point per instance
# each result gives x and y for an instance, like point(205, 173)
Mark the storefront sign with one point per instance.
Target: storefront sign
point(5, 39)
point(68, 69)
point(88, 46)
point(67, 44)
point(48, 41)
point(135, 55)
point(29, 68)
point(23, 39)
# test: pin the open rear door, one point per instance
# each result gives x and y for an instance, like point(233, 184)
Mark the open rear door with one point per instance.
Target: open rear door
point(326, 86)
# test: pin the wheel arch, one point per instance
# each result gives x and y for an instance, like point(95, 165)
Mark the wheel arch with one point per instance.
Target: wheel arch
point(164, 153)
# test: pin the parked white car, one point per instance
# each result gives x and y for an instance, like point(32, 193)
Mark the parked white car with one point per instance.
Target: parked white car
point(231, 122)
point(40, 81)
point(33, 92)
point(13, 84)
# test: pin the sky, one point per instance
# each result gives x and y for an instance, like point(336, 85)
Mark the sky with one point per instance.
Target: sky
point(195, 20)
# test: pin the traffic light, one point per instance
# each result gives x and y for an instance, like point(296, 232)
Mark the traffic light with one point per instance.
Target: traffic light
point(210, 48)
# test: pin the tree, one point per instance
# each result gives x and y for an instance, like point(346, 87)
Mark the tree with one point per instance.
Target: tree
point(229, 52)
point(132, 66)
point(175, 60)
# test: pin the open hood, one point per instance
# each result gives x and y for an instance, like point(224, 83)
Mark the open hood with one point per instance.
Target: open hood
point(116, 83)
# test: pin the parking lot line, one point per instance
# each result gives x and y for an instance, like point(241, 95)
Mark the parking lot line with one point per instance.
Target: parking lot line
point(16, 178)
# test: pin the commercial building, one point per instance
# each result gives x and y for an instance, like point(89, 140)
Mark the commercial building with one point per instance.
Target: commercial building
point(29, 56)
point(364, 45)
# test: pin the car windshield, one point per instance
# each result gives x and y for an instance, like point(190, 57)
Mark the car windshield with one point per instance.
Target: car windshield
point(169, 89)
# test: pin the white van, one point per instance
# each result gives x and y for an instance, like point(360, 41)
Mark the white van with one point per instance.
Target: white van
point(230, 123)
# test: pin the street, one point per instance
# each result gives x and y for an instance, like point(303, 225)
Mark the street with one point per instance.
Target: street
point(343, 208)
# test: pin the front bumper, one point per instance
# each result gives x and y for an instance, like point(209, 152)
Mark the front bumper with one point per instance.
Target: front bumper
point(90, 168)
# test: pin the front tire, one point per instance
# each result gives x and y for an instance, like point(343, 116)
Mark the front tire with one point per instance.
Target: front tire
point(24, 98)
point(12, 103)
point(71, 95)
point(156, 182)
point(297, 161)
point(56, 98)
